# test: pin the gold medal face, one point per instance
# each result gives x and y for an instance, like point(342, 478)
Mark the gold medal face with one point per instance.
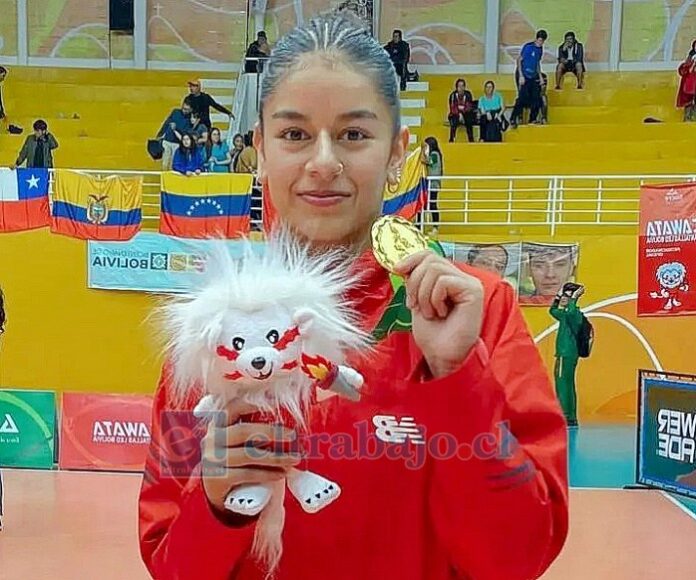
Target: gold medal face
point(394, 239)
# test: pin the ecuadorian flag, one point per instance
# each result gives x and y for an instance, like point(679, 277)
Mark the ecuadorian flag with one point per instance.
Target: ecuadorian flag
point(90, 208)
point(23, 199)
point(412, 192)
point(206, 205)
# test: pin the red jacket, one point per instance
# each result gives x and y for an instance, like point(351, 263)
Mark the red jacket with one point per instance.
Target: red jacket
point(687, 84)
point(491, 516)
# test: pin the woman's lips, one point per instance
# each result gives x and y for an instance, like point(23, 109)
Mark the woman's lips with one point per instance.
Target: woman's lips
point(323, 198)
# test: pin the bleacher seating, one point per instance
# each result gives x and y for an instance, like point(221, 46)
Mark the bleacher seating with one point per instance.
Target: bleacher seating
point(103, 119)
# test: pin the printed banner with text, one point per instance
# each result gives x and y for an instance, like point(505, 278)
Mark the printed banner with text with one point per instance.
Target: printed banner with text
point(27, 428)
point(667, 432)
point(667, 250)
point(104, 432)
point(149, 262)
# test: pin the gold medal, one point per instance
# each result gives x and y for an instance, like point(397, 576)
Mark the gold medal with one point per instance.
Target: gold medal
point(395, 239)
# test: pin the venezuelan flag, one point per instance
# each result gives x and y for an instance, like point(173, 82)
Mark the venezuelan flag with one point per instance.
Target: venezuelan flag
point(206, 205)
point(23, 199)
point(90, 208)
point(412, 192)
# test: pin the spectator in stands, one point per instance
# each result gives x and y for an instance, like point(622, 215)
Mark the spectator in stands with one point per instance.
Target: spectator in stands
point(218, 153)
point(543, 115)
point(176, 124)
point(258, 51)
point(528, 75)
point(198, 129)
point(571, 59)
point(491, 257)
point(686, 97)
point(238, 147)
point(201, 103)
point(10, 128)
point(400, 54)
point(248, 160)
point(38, 148)
point(3, 75)
point(189, 158)
point(431, 157)
point(491, 107)
point(462, 111)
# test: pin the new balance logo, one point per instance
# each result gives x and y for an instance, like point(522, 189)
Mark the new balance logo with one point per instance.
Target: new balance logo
point(392, 430)
point(9, 427)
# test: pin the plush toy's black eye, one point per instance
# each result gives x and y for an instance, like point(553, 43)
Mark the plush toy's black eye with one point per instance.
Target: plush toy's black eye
point(273, 336)
point(238, 343)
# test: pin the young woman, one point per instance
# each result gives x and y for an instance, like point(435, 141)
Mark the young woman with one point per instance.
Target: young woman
point(189, 158)
point(238, 144)
point(218, 153)
point(686, 98)
point(461, 111)
point(491, 107)
point(431, 157)
point(468, 373)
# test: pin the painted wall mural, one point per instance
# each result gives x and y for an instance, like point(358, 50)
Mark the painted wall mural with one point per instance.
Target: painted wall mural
point(440, 31)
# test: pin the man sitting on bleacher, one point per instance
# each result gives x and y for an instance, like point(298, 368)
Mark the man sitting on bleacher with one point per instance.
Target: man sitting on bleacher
point(176, 124)
point(571, 59)
point(201, 103)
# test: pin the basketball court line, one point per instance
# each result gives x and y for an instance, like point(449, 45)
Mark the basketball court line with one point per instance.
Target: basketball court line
point(680, 505)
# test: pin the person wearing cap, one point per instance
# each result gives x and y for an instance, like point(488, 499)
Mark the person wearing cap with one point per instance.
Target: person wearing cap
point(257, 53)
point(201, 103)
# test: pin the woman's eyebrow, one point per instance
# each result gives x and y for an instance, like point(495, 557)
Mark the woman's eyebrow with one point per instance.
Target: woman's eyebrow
point(289, 115)
point(358, 114)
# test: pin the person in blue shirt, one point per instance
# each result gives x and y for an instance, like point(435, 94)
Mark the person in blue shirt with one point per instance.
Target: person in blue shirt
point(178, 121)
point(528, 76)
point(189, 158)
point(491, 107)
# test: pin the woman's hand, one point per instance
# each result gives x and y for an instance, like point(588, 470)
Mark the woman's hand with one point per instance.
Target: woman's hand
point(234, 454)
point(447, 309)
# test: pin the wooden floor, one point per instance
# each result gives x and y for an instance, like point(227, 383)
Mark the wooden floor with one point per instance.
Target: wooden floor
point(70, 525)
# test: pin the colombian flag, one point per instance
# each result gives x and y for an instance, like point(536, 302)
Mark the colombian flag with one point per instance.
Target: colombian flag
point(410, 196)
point(206, 205)
point(23, 199)
point(89, 208)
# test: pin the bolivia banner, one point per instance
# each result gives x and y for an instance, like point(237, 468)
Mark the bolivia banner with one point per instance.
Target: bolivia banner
point(667, 250)
point(105, 432)
point(89, 208)
point(27, 427)
point(206, 205)
point(23, 199)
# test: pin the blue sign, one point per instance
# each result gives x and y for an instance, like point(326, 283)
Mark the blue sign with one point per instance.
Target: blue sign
point(667, 432)
point(150, 262)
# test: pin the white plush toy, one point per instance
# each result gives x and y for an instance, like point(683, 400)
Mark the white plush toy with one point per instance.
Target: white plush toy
point(267, 329)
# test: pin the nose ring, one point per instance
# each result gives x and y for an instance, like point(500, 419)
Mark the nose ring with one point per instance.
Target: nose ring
point(340, 169)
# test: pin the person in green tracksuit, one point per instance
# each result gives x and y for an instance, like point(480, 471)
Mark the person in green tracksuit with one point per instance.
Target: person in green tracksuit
point(565, 310)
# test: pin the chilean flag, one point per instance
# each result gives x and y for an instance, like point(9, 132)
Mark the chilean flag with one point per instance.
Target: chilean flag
point(23, 199)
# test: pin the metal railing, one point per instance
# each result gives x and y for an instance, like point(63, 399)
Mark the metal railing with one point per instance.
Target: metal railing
point(478, 202)
point(550, 201)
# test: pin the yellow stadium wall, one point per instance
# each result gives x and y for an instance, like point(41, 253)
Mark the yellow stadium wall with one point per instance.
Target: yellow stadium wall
point(64, 337)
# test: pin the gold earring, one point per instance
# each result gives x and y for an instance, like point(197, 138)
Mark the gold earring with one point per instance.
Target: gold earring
point(392, 185)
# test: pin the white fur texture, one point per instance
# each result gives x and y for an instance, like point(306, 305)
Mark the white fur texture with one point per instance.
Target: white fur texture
point(249, 297)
